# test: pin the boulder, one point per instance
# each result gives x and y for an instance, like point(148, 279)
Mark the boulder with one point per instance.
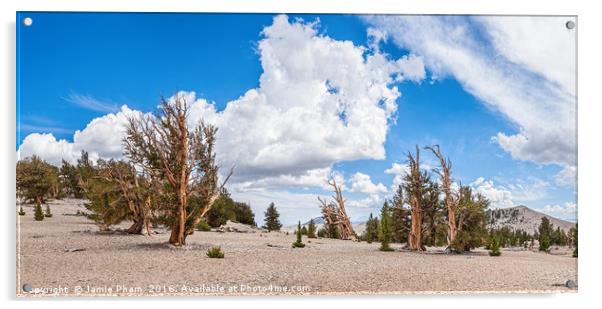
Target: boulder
point(237, 228)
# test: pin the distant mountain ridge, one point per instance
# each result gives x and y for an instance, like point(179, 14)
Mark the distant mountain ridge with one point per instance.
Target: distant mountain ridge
point(516, 218)
point(523, 218)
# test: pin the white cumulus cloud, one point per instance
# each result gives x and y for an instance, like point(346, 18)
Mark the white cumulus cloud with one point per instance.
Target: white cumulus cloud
point(362, 183)
point(319, 101)
point(521, 67)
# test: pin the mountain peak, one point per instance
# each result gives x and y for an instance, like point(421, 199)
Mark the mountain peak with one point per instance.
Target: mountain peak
point(523, 218)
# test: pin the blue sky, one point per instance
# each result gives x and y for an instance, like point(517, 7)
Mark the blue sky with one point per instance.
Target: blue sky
point(501, 113)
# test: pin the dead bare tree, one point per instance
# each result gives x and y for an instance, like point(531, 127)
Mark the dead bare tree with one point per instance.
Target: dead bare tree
point(183, 159)
point(414, 188)
point(336, 214)
point(444, 173)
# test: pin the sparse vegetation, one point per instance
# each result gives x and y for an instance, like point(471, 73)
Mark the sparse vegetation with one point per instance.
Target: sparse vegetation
point(203, 226)
point(299, 242)
point(494, 246)
point(215, 253)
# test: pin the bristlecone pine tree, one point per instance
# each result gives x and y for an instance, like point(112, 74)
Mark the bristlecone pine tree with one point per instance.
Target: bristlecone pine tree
point(335, 214)
point(299, 242)
point(35, 179)
point(311, 229)
point(182, 158)
point(414, 187)
point(272, 223)
point(38, 214)
point(385, 234)
point(136, 193)
point(444, 173)
point(471, 220)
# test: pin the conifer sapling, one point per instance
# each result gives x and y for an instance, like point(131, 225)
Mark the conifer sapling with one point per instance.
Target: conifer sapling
point(299, 243)
point(38, 214)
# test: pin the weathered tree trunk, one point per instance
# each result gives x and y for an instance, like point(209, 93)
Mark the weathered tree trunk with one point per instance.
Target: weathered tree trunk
point(344, 223)
point(445, 174)
point(415, 197)
point(141, 219)
point(415, 237)
point(180, 238)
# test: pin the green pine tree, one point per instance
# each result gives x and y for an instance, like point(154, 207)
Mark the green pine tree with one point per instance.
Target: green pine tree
point(21, 211)
point(545, 234)
point(271, 219)
point(372, 229)
point(38, 214)
point(299, 243)
point(385, 233)
point(311, 229)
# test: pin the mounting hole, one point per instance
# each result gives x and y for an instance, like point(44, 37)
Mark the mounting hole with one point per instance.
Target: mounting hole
point(27, 21)
point(570, 25)
point(27, 288)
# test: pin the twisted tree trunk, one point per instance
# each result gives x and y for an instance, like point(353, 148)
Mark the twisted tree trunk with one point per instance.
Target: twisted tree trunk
point(445, 174)
point(415, 197)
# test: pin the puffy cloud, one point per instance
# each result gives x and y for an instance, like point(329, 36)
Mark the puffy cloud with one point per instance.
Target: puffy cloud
point(566, 211)
point(102, 138)
point(499, 197)
point(310, 178)
point(371, 201)
point(521, 191)
point(399, 171)
point(362, 183)
point(521, 67)
point(319, 101)
point(46, 146)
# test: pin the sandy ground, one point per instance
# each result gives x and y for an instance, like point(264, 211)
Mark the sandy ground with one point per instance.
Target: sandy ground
point(258, 263)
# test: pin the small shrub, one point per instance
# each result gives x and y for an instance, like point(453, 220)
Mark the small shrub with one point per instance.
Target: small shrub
point(38, 214)
point(203, 226)
point(215, 253)
point(21, 211)
point(494, 246)
point(298, 245)
point(48, 214)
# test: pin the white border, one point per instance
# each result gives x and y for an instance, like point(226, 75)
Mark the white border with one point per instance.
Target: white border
point(589, 25)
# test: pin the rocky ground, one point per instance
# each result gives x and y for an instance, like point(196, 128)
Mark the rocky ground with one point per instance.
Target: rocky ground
point(66, 255)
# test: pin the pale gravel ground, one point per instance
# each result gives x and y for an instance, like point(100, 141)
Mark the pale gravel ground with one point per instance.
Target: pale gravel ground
point(324, 266)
